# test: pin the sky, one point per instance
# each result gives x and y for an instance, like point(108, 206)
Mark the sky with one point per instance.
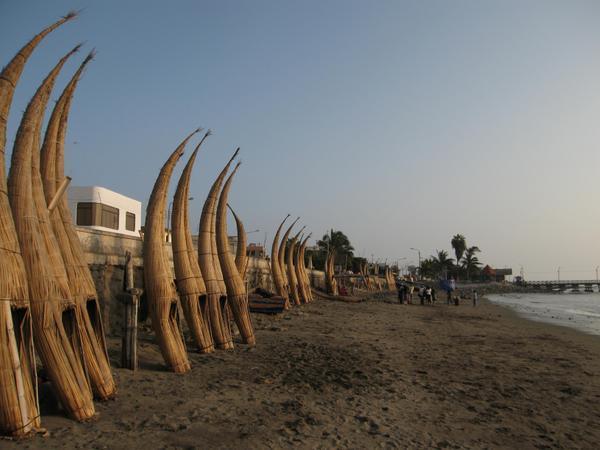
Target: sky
point(400, 123)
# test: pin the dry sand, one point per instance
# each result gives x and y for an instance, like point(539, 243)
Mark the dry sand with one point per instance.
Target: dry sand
point(369, 375)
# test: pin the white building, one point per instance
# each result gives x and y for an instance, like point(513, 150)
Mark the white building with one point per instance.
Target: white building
point(102, 209)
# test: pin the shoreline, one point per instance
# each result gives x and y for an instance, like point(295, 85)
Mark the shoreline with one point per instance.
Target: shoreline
point(369, 375)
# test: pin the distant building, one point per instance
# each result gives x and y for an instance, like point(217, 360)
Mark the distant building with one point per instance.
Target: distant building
point(102, 209)
point(492, 274)
point(256, 250)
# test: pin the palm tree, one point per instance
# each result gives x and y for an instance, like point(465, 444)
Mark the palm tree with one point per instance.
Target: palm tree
point(470, 261)
point(339, 242)
point(459, 244)
point(427, 268)
point(441, 263)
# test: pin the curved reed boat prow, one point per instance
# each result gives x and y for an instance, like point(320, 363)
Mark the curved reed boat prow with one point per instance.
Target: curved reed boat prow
point(158, 278)
point(291, 270)
point(276, 270)
point(303, 288)
point(281, 258)
point(19, 408)
point(241, 259)
point(217, 298)
point(80, 280)
point(188, 278)
point(55, 321)
point(236, 291)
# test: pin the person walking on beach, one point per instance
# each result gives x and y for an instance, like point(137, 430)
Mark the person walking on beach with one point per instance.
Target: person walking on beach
point(475, 296)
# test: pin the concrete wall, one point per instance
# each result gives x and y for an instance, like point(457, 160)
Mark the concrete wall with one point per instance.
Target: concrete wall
point(105, 254)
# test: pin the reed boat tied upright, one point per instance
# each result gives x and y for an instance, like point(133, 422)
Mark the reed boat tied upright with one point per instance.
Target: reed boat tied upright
point(300, 271)
point(237, 296)
point(188, 278)
point(241, 259)
point(330, 281)
point(276, 269)
point(55, 321)
point(281, 258)
point(307, 278)
point(80, 280)
point(159, 285)
point(291, 269)
point(19, 408)
point(217, 299)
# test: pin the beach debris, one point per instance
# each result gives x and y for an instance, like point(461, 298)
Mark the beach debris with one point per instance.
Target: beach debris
point(266, 305)
point(188, 277)
point(159, 285)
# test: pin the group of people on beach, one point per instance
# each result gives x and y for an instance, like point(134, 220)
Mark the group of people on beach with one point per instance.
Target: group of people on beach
point(427, 293)
point(406, 291)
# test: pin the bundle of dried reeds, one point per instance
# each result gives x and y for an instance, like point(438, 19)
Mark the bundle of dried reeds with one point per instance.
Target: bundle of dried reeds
point(209, 262)
point(55, 321)
point(303, 288)
point(241, 259)
point(188, 278)
point(76, 270)
point(19, 411)
point(281, 259)
point(389, 279)
point(291, 269)
point(160, 288)
point(303, 271)
point(330, 281)
point(236, 290)
point(275, 268)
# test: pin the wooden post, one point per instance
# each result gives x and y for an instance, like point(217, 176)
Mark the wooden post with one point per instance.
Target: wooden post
point(131, 299)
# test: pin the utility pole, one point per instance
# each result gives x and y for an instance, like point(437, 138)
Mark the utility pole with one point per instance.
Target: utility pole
point(419, 252)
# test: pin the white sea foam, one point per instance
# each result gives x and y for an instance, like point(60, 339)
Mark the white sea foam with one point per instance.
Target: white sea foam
point(581, 311)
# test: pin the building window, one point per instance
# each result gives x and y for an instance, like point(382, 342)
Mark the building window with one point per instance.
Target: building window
point(130, 221)
point(97, 214)
point(109, 217)
point(85, 214)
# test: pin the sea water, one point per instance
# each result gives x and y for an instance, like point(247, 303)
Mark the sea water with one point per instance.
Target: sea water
point(580, 311)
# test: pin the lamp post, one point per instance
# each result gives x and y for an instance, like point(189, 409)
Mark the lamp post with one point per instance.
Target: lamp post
point(419, 252)
point(558, 273)
point(597, 267)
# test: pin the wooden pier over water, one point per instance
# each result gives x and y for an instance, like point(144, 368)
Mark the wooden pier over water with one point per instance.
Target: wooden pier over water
point(573, 286)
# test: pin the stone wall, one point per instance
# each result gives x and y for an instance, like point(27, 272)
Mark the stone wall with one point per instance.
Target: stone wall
point(105, 254)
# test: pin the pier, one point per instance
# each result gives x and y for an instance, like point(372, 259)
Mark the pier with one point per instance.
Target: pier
point(573, 286)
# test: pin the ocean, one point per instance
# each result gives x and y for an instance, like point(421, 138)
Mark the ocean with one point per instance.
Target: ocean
point(579, 311)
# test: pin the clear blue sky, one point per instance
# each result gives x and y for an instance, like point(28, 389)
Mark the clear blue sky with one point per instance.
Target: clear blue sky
point(400, 123)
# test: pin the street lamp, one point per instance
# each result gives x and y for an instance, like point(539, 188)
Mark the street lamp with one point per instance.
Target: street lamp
point(558, 272)
point(419, 252)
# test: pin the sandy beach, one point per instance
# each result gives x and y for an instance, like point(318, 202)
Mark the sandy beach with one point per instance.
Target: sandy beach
point(369, 375)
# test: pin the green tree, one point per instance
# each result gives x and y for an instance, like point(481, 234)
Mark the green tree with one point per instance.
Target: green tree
point(442, 264)
point(339, 241)
point(470, 262)
point(459, 244)
point(427, 268)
